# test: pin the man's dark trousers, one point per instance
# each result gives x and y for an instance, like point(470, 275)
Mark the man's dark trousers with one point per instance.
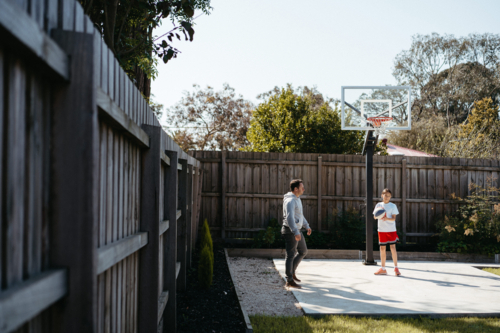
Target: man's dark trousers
point(292, 247)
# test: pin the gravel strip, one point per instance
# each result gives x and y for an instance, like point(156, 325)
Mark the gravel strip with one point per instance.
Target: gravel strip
point(263, 289)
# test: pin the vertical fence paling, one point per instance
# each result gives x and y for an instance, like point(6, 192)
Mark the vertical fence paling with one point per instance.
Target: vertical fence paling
point(74, 148)
point(254, 184)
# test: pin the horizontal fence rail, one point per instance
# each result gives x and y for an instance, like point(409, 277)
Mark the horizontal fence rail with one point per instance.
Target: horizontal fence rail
point(242, 191)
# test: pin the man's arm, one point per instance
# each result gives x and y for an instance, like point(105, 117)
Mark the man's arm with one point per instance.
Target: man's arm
point(290, 217)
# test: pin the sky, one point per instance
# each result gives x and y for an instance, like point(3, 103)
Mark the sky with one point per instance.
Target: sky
point(257, 45)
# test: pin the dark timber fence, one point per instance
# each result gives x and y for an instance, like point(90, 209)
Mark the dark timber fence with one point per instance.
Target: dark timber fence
point(242, 191)
point(99, 207)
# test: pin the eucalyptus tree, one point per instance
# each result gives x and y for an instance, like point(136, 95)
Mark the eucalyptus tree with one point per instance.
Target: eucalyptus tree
point(449, 74)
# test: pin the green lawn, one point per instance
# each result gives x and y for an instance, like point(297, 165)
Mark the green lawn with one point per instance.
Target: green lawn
point(266, 324)
point(492, 270)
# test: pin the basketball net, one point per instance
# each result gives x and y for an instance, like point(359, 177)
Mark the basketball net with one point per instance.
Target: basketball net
point(379, 124)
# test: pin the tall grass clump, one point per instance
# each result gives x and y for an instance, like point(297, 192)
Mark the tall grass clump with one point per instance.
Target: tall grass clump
point(206, 264)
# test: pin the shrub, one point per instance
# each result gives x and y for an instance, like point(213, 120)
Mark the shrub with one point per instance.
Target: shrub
point(206, 268)
point(347, 229)
point(475, 226)
point(271, 237)
point(206, 238)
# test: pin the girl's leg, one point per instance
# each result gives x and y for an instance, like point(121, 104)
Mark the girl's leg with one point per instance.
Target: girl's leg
point(394, 255)
point(382, 255)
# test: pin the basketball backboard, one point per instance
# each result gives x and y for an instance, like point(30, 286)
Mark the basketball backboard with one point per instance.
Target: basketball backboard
point(362, 102)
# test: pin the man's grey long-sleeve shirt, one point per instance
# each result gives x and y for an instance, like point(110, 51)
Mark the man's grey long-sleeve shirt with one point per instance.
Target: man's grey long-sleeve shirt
point(293, 215)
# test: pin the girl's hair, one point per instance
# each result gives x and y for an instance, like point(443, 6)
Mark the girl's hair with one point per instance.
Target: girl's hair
point(386, 190)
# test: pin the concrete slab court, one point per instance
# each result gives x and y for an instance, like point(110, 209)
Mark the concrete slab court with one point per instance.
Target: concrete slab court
point(435, 289)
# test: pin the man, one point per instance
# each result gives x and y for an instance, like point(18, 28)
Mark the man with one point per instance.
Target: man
point(293, 220)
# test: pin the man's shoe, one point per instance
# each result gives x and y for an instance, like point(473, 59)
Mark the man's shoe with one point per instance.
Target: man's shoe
point(295, 278)
point(381, 272)
point(396, 271)
point(292, 284)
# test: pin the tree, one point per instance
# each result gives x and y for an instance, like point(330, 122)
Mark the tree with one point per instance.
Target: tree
point(127, 28)
point(477, 137)
point(207, 119)
point(448, 74)
point(300, 122)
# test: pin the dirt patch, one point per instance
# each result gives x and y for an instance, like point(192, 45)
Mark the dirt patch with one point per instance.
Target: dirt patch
point(263, 290)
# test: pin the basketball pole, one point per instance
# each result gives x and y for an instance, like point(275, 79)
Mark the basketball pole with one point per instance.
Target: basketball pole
point(369, 147)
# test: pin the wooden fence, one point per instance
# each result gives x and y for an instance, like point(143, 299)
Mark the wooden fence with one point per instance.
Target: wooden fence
point(242, 191)
point(98, 206)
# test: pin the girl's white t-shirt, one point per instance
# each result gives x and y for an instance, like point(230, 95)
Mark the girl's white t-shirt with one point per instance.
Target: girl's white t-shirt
point(390, 210)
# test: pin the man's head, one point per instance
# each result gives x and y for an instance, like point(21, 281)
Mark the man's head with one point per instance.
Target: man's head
point(386, 195)
point(297, 187)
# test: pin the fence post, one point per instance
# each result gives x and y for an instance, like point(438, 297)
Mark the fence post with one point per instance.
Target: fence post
point(189, 219)
point(74, 204)
point(198, 204)
point(403, 198)
point(150, 223)
point(170, 243)
point(320, 183)
point(194, 222)
point(223, 195)
point(182, 224)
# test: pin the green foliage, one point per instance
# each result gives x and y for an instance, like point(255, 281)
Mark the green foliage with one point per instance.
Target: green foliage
point(475, 226)
point(301, 123)
point(317, 240)
point(347, 229)
point(271, 237)
point(206, 238)
point(206, 267)
point(127, 28)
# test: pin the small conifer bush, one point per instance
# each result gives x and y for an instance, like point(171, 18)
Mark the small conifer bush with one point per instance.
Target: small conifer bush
point(206, 238)
point(206, 268)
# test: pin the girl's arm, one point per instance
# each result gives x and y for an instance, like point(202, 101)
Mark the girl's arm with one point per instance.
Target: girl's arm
point(392, 219)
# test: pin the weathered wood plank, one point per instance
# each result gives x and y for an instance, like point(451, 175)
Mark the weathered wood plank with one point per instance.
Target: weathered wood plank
point(177, 269)
point(189, 209)
point(79, 18)
point(162, 303)
point(26, 300)
point(14, 163)
point(150, 216)
point(170, 201)
point(164, 225)
point(182, 224)
point(165, 159)
point(111, 109)
point(34, 38)
point(75, 194)
point(115, 252)
point(223, 195)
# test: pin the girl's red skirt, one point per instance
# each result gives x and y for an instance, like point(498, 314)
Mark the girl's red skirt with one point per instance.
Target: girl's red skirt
point(385, 238)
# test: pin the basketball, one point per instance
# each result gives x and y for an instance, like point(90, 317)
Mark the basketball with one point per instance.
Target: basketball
point(379, 213)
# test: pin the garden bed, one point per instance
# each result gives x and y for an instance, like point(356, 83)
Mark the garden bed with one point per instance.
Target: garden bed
point(214, 310)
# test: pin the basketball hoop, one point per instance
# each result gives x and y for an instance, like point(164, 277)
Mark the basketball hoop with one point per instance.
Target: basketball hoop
point(379, 124)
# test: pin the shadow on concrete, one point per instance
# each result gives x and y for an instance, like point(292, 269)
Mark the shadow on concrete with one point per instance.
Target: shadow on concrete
point(494, 278)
